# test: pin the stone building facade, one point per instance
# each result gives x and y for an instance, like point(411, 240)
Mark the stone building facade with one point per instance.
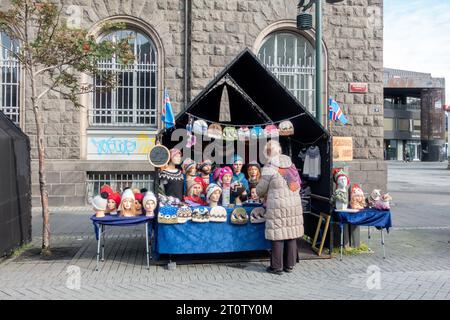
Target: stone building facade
point(186, 43)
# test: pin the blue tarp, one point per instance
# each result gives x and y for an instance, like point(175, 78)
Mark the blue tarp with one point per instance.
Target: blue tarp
point(210, 237)
point(114, 220)
point(366, 217)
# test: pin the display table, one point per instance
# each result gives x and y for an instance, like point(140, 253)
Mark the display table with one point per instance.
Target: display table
point(117, 221)
point(381, 219)
point(210, 237)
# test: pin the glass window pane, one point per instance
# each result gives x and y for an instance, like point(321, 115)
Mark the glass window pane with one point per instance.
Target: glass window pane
point(130, 100)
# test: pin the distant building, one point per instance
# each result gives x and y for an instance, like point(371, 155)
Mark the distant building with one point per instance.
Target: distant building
point(414, 116)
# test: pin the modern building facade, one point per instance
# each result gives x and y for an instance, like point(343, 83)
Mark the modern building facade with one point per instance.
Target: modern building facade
point(181, 45)
point(414, 116)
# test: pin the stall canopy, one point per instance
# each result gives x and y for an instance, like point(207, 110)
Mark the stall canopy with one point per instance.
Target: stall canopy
point(15, 187)
point(256, 97)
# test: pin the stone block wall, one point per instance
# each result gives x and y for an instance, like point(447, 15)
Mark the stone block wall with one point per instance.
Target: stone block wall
point(353, 36)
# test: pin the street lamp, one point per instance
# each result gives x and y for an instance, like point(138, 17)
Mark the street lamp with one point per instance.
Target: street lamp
point(304, 22)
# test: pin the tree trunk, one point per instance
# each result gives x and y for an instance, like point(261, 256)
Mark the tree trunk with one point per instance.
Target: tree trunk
point(42, 178)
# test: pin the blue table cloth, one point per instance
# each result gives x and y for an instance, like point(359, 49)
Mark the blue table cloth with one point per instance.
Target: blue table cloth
point(366, 217)
point(115, 220)
point(210, 237)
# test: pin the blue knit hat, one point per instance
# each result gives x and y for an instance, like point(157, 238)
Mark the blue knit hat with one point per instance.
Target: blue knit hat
point(237, 157)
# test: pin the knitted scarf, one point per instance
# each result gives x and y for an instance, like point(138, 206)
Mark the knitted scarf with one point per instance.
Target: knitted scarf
point(291, 177)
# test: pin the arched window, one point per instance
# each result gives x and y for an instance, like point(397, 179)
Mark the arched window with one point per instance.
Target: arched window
point(9, 78)
point(291, 57)
point(133, 102)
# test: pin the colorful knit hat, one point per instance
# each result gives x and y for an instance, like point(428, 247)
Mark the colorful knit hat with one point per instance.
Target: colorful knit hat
point(256, 132)
point(237, 158)
point(200, 127)
point(106, 188)
point(149, 196)
point(212, 187)
point(196, 181)
point(339, 173)
point(116, 197)
point(139, 197)
point(187, 164)
point(224, 171)
point(243, 134)
point(286, 128)
point(271, 130)
point(205, 162)
point(100, 202)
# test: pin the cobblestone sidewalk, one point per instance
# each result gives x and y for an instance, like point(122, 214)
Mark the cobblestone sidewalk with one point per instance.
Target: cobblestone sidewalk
point(417, 267)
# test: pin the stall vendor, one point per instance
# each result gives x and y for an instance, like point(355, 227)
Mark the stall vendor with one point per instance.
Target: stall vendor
point(171, 178)
point(195, 189)
point(238, 176)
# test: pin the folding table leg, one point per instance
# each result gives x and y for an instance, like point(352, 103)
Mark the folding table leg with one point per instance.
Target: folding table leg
point(146, 245)
point(103, 243)
point(99, 240)
point(382, 243)
point(342, 239)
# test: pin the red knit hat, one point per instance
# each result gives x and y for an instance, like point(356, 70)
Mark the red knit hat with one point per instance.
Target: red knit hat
point(107, 189)
point(139, 197)
point(116, 197)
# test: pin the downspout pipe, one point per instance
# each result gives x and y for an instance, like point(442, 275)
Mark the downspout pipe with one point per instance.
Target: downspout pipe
point(187, 51)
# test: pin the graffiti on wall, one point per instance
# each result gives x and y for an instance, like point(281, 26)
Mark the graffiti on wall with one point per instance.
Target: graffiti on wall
point(124, 146)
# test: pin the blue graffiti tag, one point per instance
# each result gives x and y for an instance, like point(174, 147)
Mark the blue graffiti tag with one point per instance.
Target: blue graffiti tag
point(114, 146)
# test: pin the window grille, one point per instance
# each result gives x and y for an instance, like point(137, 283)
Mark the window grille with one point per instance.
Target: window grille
point(291, 58)
point(133, 102)
point(9, 79)
point(118, 181)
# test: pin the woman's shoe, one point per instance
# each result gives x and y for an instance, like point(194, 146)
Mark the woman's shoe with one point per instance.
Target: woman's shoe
point(288, 269)
point(274, 271)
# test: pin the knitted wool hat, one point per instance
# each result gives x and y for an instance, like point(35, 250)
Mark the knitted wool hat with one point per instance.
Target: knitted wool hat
point(339, 173)
point(139, 197)
point(356, 190)
point(196, 181)
point(128, 194)
point(230, 134)
point(218, 214)
point(212, 187)
point(100, 202)
point(200, 127)
point(243, 134)
point(237, 158)
point(253, 164)
point(215, 131)
point(271, 131)
point(149, 196)
point(256, 132)
point(204, 163)
point(106, 188)
point(116, 197)
point(286, 128)
point(224, 171)
point(187, 164)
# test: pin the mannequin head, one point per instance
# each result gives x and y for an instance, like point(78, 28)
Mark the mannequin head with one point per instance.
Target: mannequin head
point(205, 167)
point(213, 193)
point(138, 202)
point(99, 204)
point(149, 202)
point(225, 176)
point(253, 172)
point(253, 194)
point(238, 162)
point(127, 205)
point(175, 156)
point(113, 202)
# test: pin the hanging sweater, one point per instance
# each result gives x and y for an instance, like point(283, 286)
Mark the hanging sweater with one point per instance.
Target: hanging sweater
point(172, 183)
point(311, 166)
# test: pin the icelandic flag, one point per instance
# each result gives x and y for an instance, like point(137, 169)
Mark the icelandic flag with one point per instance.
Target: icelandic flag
point(167, 117)
point(336, 112)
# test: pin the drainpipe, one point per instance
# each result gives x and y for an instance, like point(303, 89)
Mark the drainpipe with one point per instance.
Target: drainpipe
point(187, 51)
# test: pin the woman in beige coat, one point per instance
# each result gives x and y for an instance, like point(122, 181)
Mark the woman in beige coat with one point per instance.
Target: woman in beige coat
point(280, 183)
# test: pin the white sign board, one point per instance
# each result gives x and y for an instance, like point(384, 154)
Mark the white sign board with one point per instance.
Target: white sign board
point(119, 145)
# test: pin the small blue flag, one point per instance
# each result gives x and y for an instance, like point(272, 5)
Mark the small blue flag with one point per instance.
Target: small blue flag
point(167, 117)
point(336, 112)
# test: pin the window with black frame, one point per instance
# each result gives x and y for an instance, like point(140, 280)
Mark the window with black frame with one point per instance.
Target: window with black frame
point(133, 101)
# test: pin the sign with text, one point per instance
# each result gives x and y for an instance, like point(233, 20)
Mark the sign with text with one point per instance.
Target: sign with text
point(119, 145)
point(358, 87)
point(342, 149)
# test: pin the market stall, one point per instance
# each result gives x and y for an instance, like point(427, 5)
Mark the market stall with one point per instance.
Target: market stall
point(246, 98)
